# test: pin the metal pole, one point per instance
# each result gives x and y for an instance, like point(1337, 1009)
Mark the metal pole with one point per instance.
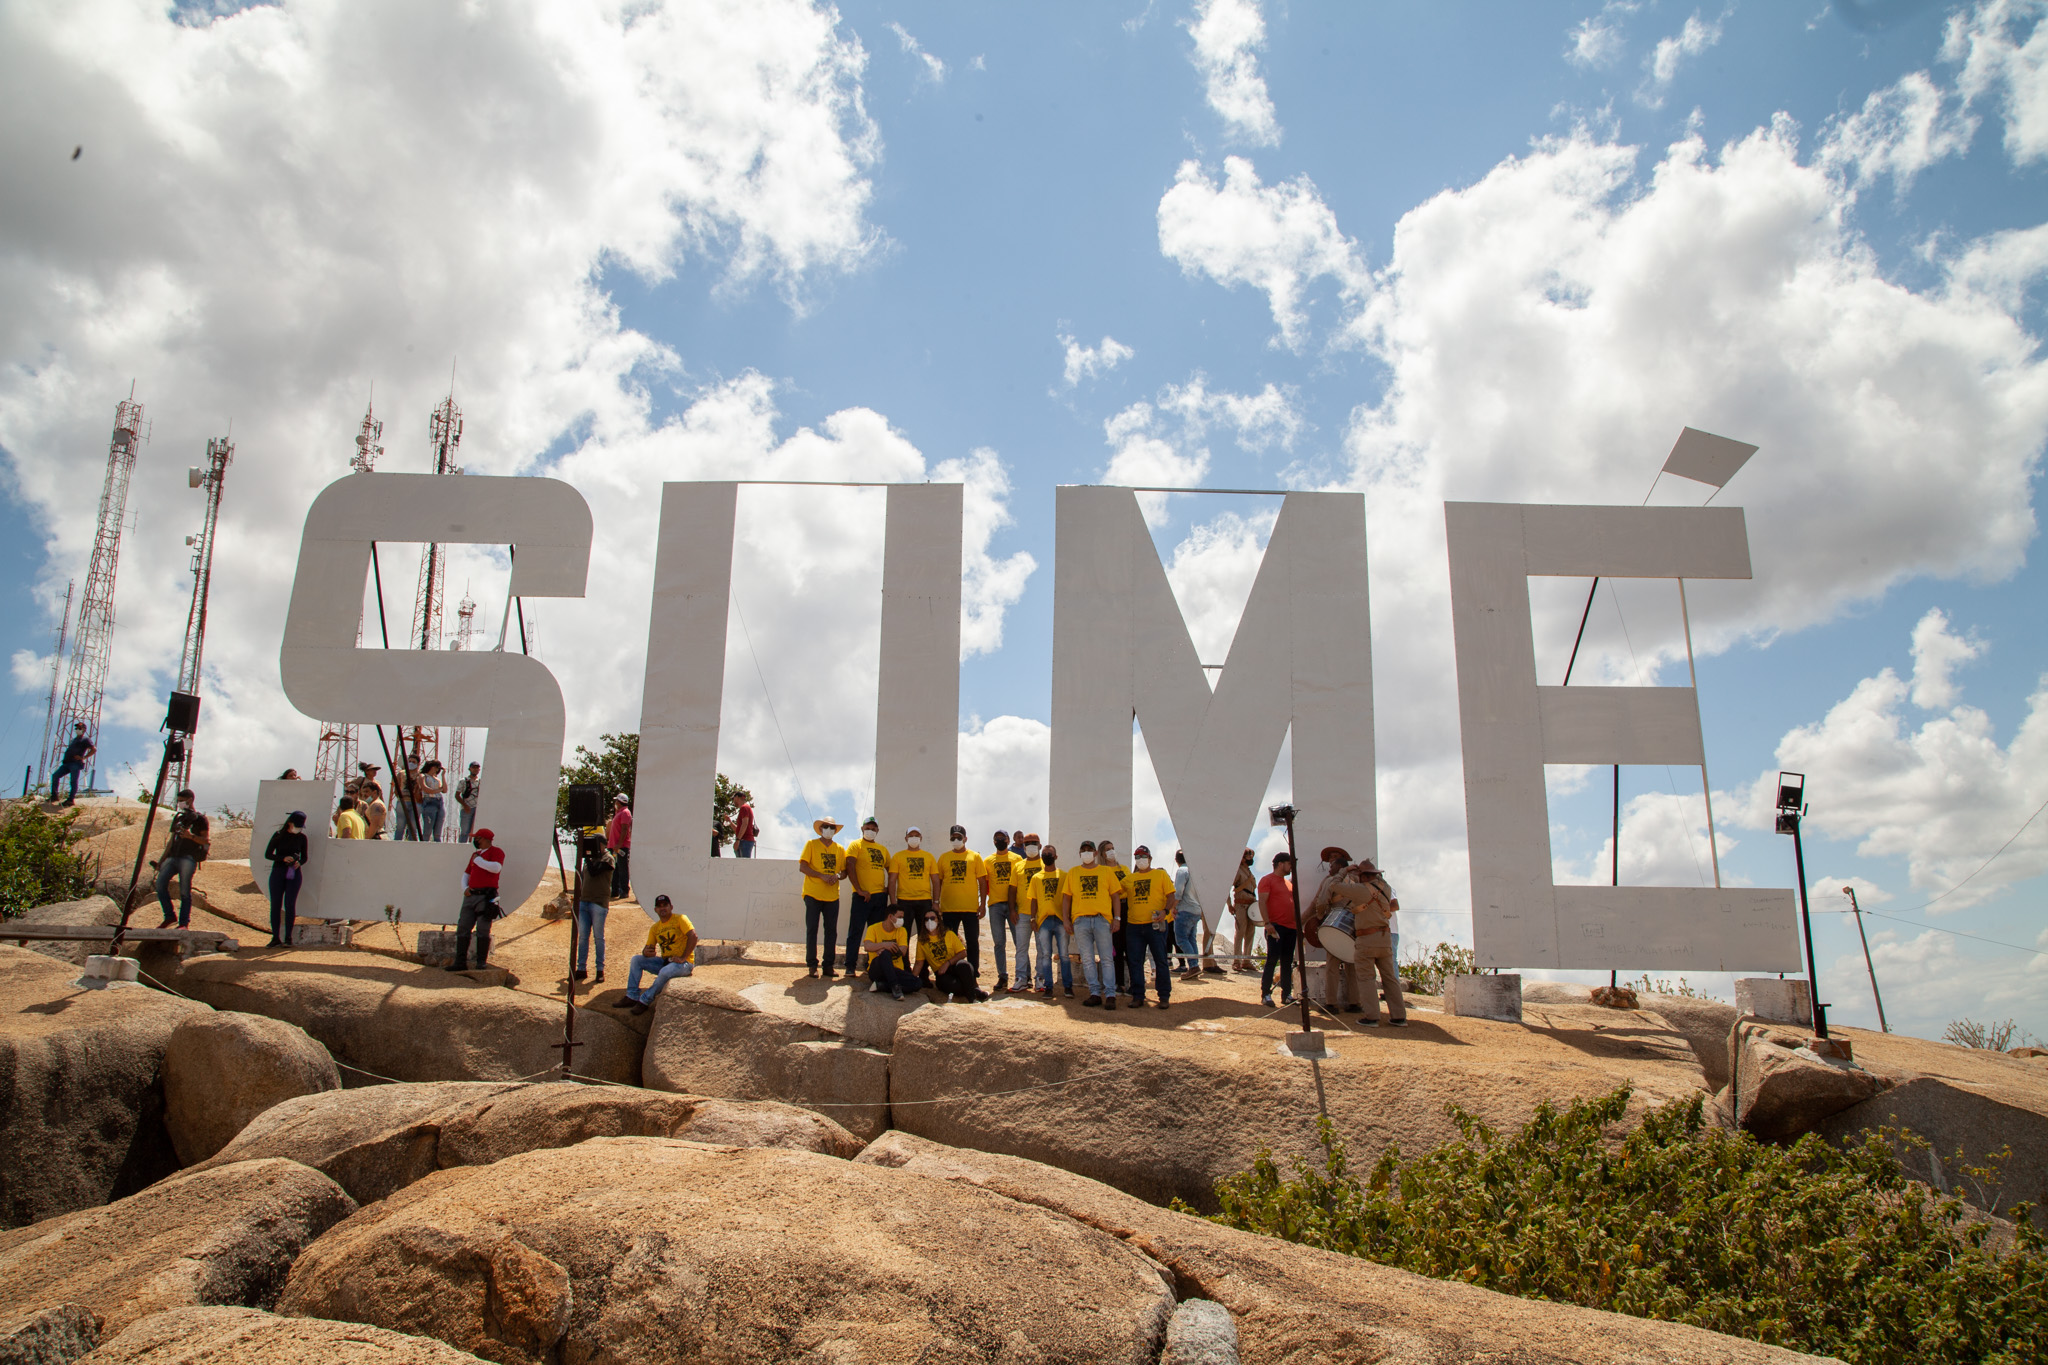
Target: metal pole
point(1614, 868)
point(1857, 911)
point(1300, 939)
point(1820, 1018)
point(1706, 786)
point(142, 849)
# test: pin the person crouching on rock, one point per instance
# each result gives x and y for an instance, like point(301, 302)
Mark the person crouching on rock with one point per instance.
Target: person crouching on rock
point(887, 945)
point(479, 900)
point(670, 952)
point(942, 956)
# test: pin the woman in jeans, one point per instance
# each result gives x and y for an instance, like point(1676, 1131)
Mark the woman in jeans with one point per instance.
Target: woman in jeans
point(593, 903)
point(433, 805)
point(287, 854)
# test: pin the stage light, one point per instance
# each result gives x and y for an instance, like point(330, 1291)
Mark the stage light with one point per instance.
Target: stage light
point(1791, 808)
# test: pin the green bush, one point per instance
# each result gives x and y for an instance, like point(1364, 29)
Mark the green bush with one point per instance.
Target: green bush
point(1426, 971)
point(1807, 1247)
point(37, 865)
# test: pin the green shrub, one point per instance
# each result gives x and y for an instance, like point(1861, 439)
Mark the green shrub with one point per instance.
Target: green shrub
point(1807, 1247)
point(1426, 971)
point(37, 864)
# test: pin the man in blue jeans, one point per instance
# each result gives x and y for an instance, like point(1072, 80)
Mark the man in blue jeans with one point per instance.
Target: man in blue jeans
point(183, 852)
point(670, 952)
point(76, 754)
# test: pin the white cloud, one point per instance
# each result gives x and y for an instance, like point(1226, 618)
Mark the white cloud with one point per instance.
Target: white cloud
point(1997, 63)
point(1597, 41)
point(1663, 842)
point(1943, 796)
point(988, 586)
point(1662, 65)
point(1005, 773)
point(2001, 268)
point(1085, 362)
point(1212, 571)
point(1162, 443)
point(933, 67)
point(1900, 131)
point(1279, 239)
point(1228, 35)
point(1868, 892)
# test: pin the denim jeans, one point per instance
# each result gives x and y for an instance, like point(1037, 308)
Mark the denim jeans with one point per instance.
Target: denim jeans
point(664, 972)
point(1021, 935)
point(1148, 940)
point(743, 848)
point(75, 769)
point(1095, 940)
point(466, 823)
point(590, 917)
point(402, 816)
point(862, 911)
point(1052, 947)
point(999, 932)
point(182, 869)
point(432, 815)
point(284, 900)
point(1187, 938)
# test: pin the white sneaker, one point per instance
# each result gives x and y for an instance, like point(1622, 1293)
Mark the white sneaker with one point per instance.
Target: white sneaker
point(874, 985)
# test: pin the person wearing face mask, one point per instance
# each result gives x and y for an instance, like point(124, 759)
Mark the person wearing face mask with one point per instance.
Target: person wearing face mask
point(942, 959)
point(887, 944)
point(823, 863)
point(1148, 915)
point(1090, 900)
point(190, 838)
point(963, 892)
point(1048, 929)
point(1024, 922)
point(286, 853)
point(479, 899)
point(1187, 921)
point(1244, 893)
point(1276, 899)
point(1003, 888)
point(1105, 856)
point(911, 874)
point(867, 867)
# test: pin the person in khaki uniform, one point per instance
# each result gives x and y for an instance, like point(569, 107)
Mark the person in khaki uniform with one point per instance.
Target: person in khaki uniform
point(1360, 891)
point(1244, 893)
point(1340, 978)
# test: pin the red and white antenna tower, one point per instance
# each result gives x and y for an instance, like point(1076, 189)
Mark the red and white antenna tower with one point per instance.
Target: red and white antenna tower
point(458, 749)
point(429, 602)
point(56, 677)
point(335, 760)
point(220, 453)
point(92, 645)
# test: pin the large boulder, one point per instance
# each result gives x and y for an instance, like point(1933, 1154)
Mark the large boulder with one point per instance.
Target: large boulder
point(655, 1251)
point(223, 1069)
point(81, 1089)
point(225, 1235)
point(388, 1021)
point(1966, 1128)
point(1705, 1025)
point(1166, 1113)
point(1782, 1089)
point(846, 1009)
point(376, 1141)
point(249, 1336)
point(1293, 1305)
point(56, 1335)
point(708, 1040)
point(93, 910)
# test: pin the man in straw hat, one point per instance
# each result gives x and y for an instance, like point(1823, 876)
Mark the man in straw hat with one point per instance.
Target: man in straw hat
point(823, 863)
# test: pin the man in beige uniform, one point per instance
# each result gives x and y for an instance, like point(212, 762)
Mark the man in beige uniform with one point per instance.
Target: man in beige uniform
point(1244, 893)
point(1359, 890)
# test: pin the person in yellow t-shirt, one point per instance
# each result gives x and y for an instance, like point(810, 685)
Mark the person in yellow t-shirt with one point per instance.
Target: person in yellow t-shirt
point(911, 873)
point(670, 951)
point(1049, 930)
point(963, 893)
point(1089, 903)
point(1023, 923)
point(942, 959)
point(887, 944)
point(823, 863)
point(1148, 926)
point(1105, 856)
point(867, 867)
point(348, 824)
point(1005, 910)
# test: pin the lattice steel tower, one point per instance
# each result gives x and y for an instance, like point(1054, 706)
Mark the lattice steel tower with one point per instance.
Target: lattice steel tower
point(458, 748)
point(335, 760)
point(429, 600)
point(212, 477)
point(92, 644)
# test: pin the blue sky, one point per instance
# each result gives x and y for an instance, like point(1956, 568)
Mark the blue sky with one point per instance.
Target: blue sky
point(1326, 266)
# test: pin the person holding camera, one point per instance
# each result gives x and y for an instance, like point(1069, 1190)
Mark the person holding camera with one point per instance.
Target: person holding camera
point(593, 903)
point(190, 840)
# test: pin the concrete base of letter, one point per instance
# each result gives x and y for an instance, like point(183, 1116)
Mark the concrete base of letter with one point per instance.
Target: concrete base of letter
point(1779, 999)
point(1498, 996)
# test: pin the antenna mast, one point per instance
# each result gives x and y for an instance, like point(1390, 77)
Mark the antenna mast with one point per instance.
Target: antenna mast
point(220, 453)
point(56, 674)
point(85, 684)
point(335, 760)
point(458, 755)
point(429, 601)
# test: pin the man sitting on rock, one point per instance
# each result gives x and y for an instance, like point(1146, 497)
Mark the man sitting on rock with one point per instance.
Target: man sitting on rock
point(670, 951)
point(887, 944)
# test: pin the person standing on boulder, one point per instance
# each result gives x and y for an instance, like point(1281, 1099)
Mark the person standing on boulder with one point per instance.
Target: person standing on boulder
point(466, 792)
point(744, 830)
point(942, 956)
point(823, 863)
point(1148, 911)
point(867, 867)
point(1049, 929)
point(887, 944)
point(593, 902)
point(1002, 866)
point(189, 841)
point(963, 893)
point(76, 755)
point(618, 836)
point(286, 853)
point(911, 873)
point(1024, 923)
point(1276, 899)
point(479, 900)
point(348, 824)
point(670, 952)
point(1088, 904)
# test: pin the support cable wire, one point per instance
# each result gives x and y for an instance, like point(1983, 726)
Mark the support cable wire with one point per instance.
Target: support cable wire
point(384, 630)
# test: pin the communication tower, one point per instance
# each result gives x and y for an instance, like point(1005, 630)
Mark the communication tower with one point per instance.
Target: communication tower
point(56, 676)
point(445, 427)
point(92, 640)
point(458, 754)
point(220, 453)
point(335, 760)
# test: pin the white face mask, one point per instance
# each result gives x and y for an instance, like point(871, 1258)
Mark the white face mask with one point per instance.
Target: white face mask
point(1031, 850)
point(931, 924)
point(1087, 858)
point(1108, 855)
point(959, 845)
point(1142, 863)
point(869, 834)
point(912, 842)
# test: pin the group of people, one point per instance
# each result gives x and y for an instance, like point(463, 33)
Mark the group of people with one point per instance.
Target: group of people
point(417, 811)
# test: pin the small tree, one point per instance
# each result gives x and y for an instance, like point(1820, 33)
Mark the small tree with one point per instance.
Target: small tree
point(613, 767)
point(1991, 1037)
point(37, 864)
point(726, 799)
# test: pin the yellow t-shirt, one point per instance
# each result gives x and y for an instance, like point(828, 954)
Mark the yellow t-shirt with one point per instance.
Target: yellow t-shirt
point(826, 856)
point(1145, 895)
point(1043, 898)
point(349, 825)
point(1005, 876)
point(1093, 890)
point(960, 877)
point(1026, 870)
point(881, 938)
point(665, 937)
point(936, 953)
point(913, 869)
point(869, 863)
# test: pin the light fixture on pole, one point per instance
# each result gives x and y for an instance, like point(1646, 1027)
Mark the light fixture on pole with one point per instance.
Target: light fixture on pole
point(1791, 809)
point(1308, 1042)
point(1857, 911)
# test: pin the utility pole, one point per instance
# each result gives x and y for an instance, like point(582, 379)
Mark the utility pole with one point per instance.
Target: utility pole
point(92, 639)
point(220, 454)
point(1857, 911)
point(56, 675)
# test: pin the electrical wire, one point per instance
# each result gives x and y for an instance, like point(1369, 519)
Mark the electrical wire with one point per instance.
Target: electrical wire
point(1986, 863)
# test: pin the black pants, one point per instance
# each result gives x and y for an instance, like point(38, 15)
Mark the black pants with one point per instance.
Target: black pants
point(818, 911)
point(957, 979)
point(479, 908)
point(622, 885)
point(967, 924)
point(284, 901)
point(1120, 956)
point(885, 972)
point(1279, 949)
point(863, 911)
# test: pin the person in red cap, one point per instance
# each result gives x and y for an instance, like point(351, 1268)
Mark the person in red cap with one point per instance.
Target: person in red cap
point(479, 899)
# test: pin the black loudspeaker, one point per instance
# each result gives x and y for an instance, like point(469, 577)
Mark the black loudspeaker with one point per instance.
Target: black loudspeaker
point(586, 805)
point(184, 713)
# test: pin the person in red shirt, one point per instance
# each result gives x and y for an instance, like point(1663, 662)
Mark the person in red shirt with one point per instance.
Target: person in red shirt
point(479, 900)
point(618, 837)
point(1276, 898)
point(743, 830)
